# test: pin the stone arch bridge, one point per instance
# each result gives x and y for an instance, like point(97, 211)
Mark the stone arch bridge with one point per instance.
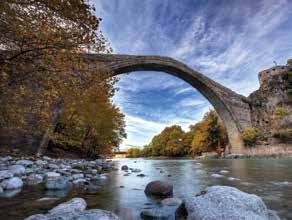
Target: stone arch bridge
point(232, 108)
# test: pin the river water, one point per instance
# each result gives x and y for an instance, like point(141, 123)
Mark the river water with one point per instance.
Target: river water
point(271, 179)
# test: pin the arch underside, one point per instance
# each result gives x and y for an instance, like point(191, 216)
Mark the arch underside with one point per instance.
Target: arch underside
point(231, 107)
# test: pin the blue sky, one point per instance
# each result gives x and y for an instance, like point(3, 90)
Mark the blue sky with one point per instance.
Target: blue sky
point(230, 41)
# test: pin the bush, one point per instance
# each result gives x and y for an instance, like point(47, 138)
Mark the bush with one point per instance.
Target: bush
point(283, 134)
point(281, 112)
point(250, 136)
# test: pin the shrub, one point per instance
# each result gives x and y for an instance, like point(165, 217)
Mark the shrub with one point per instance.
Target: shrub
point(281, 112)
point(283, 134)
point(250, 136)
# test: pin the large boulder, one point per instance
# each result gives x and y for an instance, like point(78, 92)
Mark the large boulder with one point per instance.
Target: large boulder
point(74, 205)
point(159, 188)
point(12, 183)
point(224, 202)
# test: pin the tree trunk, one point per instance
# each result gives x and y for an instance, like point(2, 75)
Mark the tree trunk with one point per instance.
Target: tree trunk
point(56, 112)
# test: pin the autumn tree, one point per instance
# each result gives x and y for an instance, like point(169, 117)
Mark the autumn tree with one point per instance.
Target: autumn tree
point(43, 67)
point(208, 135)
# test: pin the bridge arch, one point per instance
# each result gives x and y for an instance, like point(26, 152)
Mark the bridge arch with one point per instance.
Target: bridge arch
point(231, 107)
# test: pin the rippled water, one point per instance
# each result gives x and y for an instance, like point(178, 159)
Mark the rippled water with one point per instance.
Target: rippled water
point(269, 178)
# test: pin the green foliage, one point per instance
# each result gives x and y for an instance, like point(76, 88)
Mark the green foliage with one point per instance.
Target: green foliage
point(289, 92)
point(283, 134)
point(134, 152)
point(207, 135)
point(250, 136)
point(281, 112)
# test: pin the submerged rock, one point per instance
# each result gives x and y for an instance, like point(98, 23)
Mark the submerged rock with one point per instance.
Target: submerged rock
point(12, 183)
point(124, 167)
point(159, 188)
point(224, 202)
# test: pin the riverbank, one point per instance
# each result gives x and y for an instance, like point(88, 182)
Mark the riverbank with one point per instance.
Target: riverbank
point(51, 174)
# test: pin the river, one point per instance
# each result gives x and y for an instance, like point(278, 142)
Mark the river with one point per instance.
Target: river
point(271, 179)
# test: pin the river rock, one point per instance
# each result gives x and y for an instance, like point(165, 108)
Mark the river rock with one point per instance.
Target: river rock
point(74, 205)
point(135, 170)
point(41, 162)
point(158, 213)
point(25, 163)
point(91, 214)
point(125, 213)
point(12, 183)
point(224, 202)
point(10, 193)
point(52, 175)
point(5, 174)
point(171, 202)
point(52, 166)
point(77, 176)
point(159, 188)
point(215, 175)
point(56, 184)
point(37, 217)
point(224, 171)
point(124, 167)
point(17, 169)
point(34, 179)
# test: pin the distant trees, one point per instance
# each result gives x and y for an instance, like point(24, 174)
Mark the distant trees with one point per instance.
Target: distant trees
point(45, 81)
point(207, 135)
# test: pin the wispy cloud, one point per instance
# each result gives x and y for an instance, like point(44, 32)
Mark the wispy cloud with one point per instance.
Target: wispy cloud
point(229, 41)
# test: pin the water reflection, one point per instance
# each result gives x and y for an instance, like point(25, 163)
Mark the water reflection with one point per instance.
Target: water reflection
point(269, 178)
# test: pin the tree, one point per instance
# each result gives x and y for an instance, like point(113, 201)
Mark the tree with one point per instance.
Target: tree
point(209, 135)
point(42, 68)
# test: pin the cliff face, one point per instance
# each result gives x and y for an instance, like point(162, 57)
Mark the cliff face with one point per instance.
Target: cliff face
point(271, 105)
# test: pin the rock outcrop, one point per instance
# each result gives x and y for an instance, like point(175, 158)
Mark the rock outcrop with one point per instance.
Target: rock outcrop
point(271, 105)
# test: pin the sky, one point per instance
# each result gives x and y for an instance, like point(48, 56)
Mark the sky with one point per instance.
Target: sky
point(229, 41)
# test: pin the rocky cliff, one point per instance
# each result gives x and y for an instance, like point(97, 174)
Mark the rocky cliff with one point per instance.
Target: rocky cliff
point(271, 105)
